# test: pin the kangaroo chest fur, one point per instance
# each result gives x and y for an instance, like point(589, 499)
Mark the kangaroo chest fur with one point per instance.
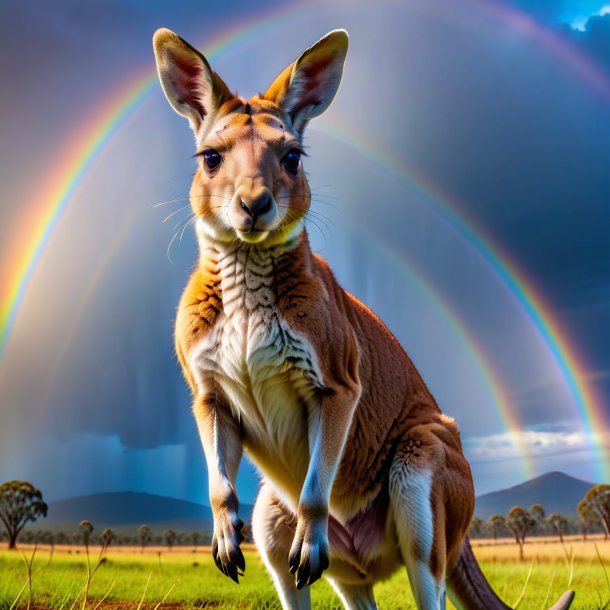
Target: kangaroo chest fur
point(267, 371)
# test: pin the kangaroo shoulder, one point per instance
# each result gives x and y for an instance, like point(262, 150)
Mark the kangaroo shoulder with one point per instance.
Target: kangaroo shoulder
point(199, 307)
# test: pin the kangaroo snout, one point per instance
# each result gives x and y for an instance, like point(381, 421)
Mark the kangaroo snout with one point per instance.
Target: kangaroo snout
point(257, 207)
point(253, 213)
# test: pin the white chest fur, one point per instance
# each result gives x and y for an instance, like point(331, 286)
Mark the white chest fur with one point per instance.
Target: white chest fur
point(267, 371)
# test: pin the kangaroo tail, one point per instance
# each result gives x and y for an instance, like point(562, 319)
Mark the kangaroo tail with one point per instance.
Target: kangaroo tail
point(469, 590)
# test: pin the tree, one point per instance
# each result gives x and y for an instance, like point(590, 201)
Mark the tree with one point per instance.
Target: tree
point(587, 517)
point(496, 523)
point(538, 514)
point(20, 502)
point(559, 524)
point(521, 524)
point(169, 536)
point(61, 538)
point(145, 534)
point(475, 527)
point(107, 536)
point(86, 528)
point(196, 539)
point(48, 538)
point(597, 500)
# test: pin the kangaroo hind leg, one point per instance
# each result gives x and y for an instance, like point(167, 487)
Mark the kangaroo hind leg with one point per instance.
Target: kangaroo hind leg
point(273, 526)
point(354, 597)
point(427, 476)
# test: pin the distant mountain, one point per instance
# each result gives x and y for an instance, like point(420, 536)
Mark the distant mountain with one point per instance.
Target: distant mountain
point(125, 508)
point(556, 491)
point(129, 509)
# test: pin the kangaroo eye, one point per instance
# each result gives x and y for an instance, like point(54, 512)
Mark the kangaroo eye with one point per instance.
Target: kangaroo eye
point(211, 158)
point(291, 162)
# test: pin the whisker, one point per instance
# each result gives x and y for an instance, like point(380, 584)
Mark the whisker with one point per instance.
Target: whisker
point(319, 229)
point(186, 207)
point(300, 197)
point(319, 221)
point(321, 218)
point(186, 225)
point(156, 205)
point(213, 195)
point(208, 195)
point(178, 226)
point(319, 215)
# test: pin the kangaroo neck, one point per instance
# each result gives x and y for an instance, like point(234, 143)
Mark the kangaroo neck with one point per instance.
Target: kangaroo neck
point(239, 268)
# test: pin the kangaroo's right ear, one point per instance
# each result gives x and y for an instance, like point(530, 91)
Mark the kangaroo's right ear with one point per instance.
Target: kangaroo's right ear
point(191, 86)
point(306, 87)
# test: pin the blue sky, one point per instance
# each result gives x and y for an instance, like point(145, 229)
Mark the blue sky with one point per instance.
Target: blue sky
point(575, 13)
point(451, 94)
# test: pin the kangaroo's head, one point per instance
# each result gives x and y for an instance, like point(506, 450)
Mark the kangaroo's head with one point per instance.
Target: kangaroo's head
point(249, 183)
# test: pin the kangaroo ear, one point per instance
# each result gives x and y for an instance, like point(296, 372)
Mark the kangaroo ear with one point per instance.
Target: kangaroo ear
point(306, 87)
point(190, 85)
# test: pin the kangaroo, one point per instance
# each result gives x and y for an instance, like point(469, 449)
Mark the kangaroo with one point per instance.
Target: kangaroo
point(362, 472)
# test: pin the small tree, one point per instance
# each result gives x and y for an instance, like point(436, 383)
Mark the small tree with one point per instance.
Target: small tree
point(107, 536)
point(127, 540)
point(559, 523)
point(49, 538)
point(20, 502)
point(145, 535)
point(86, 529)
point(196, 539)
point(538, 514)
point(169, 536)
point(587, 517)
point(496, 523)
point(61, 538)
point(598, 502)
point(521, 524)
point(476, 525)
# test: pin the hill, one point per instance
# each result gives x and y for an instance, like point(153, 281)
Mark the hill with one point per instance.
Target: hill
point(556, 491)
point(118, 509)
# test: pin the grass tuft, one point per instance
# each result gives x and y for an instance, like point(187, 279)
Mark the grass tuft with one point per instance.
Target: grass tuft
point(527, 580)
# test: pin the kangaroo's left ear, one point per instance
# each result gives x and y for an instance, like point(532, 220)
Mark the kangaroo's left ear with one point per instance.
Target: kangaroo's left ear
point(191, 86)
point(306, 87)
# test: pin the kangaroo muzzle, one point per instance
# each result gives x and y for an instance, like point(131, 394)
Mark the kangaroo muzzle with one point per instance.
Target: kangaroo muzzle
point(253, 213)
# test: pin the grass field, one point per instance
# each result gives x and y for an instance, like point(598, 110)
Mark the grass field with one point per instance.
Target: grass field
point(184, 579)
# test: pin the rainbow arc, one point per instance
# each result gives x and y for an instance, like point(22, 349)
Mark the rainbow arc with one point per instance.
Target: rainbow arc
point(77, 159)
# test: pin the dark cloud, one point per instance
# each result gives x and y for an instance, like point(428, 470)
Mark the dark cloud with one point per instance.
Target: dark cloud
point(494, 117)
point(594, 39)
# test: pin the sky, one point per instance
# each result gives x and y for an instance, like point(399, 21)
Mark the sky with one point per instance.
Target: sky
point(461, 190)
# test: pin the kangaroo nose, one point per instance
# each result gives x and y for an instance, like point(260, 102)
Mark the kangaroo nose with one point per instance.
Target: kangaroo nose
point(257, 207)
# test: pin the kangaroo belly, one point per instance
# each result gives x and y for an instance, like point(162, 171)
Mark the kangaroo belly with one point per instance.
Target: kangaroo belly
point(267, 372)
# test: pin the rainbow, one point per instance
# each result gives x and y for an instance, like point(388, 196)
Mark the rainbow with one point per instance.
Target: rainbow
point(489, 379)
point(81, 307)
point(82, 153)
point(580, 63)
point(71, 168)
point(589, 409)
point(90, 139)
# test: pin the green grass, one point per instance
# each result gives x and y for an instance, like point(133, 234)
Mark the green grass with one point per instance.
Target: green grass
point(198, 584)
